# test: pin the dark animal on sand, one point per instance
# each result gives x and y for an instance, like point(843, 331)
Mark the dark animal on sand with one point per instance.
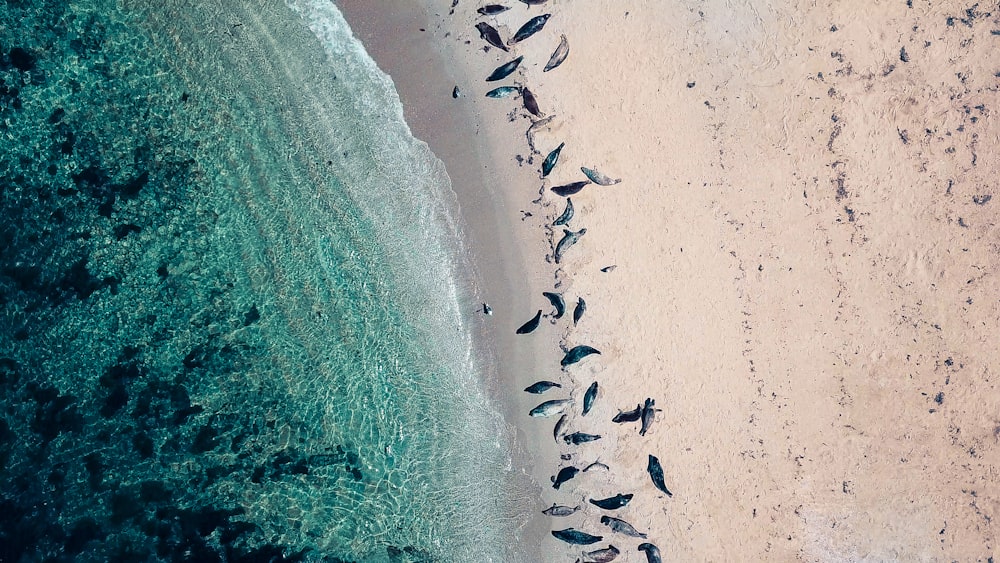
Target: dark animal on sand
point(565, 474)
point(621, 527)
point(570, 189)
point(534, 2)
point(558, 510)
point(656, 474)
point(581, 308)
point(576, 354)
point(567, 214)
point(550, 408)
point(504, 70)
point(502, 92)
point(490, 35)
point(456, 92)
point(487, 310)
point(596, 465)
point(652, 552)
point(556, 299)
point(606, 555)
point(568, 240)
point(557, 429)
point(559, 55)
point(628, 416)
point(550, 161)
point(540, 387)
point(610, 268)
point(588, 398)
point(530, 103)
point(492, 9)
point(530, 325)
point(530, 27)
point(598, 178)
point(612, 503)
point(578, 438)
point(648, 413)
point(576, 537)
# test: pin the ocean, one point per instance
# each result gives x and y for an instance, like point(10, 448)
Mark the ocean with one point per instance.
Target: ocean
point(237, 315)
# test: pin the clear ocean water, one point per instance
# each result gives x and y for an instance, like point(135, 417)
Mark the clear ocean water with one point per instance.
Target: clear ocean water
point(234, 308)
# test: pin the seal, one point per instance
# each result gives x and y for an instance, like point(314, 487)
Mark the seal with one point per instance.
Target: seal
point(558, 510)
point(489, 34)
point(598, 178)
point(550, 408)
point(492, 9)
point(556, 299)
point(648, 413)
point(578, 438)
point(559, 55)
point(456, 93)
point(652, 552)
point(565, 474)
point(612, 503)
point(576, 537)
point(576, 354)
point(487, 310)
point(567, 214)
point(570, 189)
point(656, 474)
point(530, 103)
point(550, 161)
point(502, 92)
point(621, 527)
point(568, 240)
point(558, 428)
point(540, 387)
point(530, 27)
point(580, 309)
point(628, 416)
point(531, 325)
point(534, 2)
point(605, 555)
point(504, 70)
point(588, 398)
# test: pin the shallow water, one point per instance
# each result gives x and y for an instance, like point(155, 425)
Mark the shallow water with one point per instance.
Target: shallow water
point(235, 304)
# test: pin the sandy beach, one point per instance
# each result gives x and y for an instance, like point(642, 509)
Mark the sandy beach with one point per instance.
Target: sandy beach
point(804, 254)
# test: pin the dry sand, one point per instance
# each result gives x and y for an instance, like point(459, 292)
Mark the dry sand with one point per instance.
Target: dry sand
point(806, 248)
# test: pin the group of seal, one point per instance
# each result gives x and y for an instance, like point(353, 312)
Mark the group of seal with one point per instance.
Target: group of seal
point(564, 406)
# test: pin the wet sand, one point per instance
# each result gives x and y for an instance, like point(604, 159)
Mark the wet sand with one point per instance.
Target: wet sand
point(804, 245)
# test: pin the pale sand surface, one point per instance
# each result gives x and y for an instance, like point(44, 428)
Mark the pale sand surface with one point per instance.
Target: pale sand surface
point(806, 251)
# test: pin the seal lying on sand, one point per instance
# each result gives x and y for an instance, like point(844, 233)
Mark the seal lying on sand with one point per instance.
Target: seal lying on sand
point(556, 299)
point(490, 35)
point(652, 552)
point(504, 70)
point(550, 161)
point(574, 536)
point(530, 103)
point(578, 438)
point(502, 92)
point(530, 27)
point(598, 178)
point(581, 307)
point(656, 474)
point(612, 503)
point(621, 527)
point(492, 9)
point(557, 510)
point(557, 429)
point(588, 398)
point(559, 55)
point(565, 474)
point(606, 555)
point(568, 240)
point(540, 387)
point(567, 214)
point(576, 354)
point(550, 408)
point(648, 413)
point(570, 189)
point(531, 325)
point(628, 416)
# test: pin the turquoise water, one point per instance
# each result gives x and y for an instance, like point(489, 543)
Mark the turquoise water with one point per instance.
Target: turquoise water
point(236, 313)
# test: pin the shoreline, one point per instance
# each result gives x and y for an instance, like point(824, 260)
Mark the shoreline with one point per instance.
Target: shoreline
point(510, 274)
